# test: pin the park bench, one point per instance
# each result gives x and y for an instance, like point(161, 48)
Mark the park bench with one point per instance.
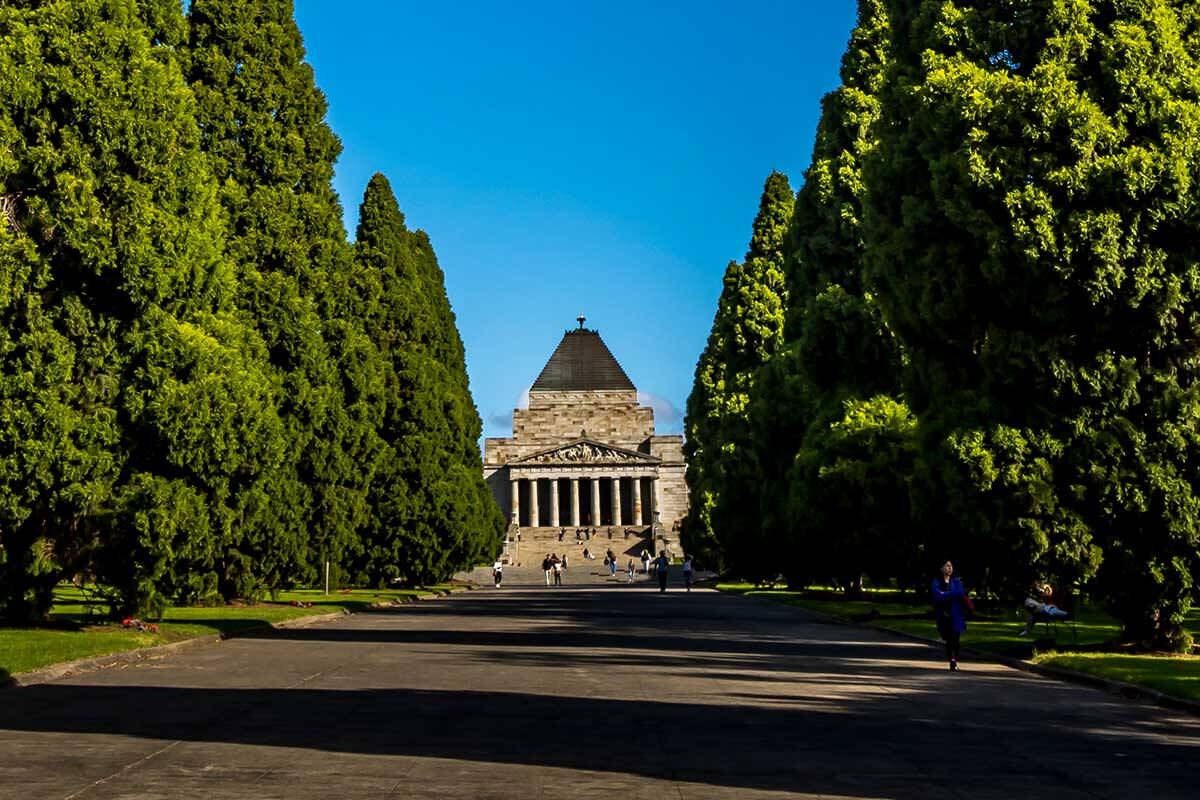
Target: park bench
point(1051, 622)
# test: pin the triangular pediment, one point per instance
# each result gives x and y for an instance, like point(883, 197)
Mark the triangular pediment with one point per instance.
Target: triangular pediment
point(587, 451)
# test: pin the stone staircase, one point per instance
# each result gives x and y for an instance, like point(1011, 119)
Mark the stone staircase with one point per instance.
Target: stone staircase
point(535, 543)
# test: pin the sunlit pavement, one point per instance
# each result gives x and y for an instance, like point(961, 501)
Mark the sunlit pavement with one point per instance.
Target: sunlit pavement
point(599, 691)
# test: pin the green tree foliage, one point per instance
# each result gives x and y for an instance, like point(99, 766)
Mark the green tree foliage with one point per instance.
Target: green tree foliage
point(832, 505)
point(129, 390)
point(432, 512)
point(747, 330)
point(1033, 237)
point(263, 125)
point(199, 380)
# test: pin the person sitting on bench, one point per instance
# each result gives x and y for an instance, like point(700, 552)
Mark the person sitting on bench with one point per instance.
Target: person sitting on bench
point(1038, 608)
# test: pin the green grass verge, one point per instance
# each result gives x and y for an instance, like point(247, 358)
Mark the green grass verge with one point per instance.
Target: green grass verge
point(78, 627)
point(1178, 676)
point(999, 632)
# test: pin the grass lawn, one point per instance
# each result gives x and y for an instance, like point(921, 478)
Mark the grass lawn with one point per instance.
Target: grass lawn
point(78, 627)
point(997, 631)
point(1178, 676)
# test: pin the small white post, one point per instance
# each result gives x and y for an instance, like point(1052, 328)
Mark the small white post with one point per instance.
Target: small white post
point(326, 577)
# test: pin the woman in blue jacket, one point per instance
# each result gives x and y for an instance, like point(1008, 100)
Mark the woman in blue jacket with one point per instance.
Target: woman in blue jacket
point(950, 611)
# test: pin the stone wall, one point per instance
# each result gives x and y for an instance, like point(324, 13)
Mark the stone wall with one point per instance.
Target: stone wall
point(672, 490)
point(555, 417)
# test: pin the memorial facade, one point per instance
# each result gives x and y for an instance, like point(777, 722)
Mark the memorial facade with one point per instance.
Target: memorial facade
point(584, 454)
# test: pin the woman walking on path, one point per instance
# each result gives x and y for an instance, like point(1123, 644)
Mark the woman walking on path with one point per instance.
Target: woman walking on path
point(687, 572)
point(950, 605)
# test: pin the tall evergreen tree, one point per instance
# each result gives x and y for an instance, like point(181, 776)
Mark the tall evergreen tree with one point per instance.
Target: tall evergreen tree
point(1033, 233)
point(131, 396)
point(840, 478)
point(432, 512)
point(747, 330)
point(263, 125)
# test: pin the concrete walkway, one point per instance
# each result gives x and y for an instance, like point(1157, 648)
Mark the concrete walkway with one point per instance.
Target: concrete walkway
point(606, 691)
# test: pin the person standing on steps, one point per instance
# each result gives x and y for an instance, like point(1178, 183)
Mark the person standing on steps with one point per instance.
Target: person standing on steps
point(498, 572)
point(611, 559)
point(546, 566)
point(661, 565)
point(950, 604)
point(645, 562)
point(557, 570)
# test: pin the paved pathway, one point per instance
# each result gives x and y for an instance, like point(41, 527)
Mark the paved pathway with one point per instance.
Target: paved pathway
point(615, 692)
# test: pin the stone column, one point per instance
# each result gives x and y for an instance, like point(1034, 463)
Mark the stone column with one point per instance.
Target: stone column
point(533, 503)
point(595, 513)
point(575, 502)
point(515, 502)
point(637, 500)
point(654, 506)
point(616, 501)
point(554, 520)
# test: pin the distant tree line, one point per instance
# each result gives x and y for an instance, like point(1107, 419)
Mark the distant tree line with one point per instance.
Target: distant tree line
point(207, 392)
point(978, 337)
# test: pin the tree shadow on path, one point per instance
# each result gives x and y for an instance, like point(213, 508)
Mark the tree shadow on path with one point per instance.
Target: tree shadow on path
point(886, 743)
point(725, 692)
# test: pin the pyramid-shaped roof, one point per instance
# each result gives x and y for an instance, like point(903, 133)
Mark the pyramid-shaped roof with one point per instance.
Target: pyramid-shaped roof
point(582, 363)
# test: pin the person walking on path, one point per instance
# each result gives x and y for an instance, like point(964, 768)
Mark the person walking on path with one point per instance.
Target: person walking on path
point(558, 568)
point(498, 572)
point(610, 558)
point(546, 566)
point(687, 572)
point(662, 564)
point(645, 561)
point(631, 569)
point(950, 604)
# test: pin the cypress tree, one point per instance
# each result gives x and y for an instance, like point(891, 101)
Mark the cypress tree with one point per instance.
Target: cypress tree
point(263, 125)
point(431, 511)
point(836, 447)
point(747, 330)
point(131, 394)
point(1032, 230)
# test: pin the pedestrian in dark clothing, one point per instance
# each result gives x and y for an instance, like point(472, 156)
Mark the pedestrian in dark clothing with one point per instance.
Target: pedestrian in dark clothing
point(662, 564)
point(950, 604)
point(610, 558)
point(557, 565)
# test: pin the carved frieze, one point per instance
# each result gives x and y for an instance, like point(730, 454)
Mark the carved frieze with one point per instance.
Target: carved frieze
point(585, 453)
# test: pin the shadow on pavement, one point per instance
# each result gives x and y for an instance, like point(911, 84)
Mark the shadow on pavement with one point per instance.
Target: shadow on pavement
point(819, 750)
point(871, 719)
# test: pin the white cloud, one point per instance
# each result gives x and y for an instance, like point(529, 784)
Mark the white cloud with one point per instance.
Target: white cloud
point(667, 418)
point(501, 421)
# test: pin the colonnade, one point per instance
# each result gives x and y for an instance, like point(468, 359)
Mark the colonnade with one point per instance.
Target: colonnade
point(575, 509)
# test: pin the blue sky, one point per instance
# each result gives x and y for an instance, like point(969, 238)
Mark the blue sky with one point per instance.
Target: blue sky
point(603, 158)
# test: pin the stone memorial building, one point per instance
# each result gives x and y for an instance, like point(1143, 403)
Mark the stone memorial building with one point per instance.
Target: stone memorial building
point(584, 456)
